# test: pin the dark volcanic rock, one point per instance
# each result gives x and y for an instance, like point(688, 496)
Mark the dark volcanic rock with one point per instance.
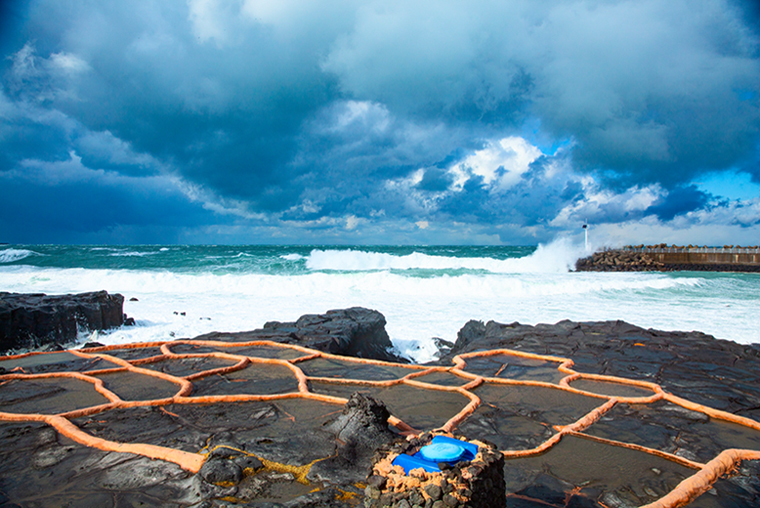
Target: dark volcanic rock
point(350, 332)
point(43, 469)
point(34, 320)
point(359, 431)
point(219, 471)
point(718, 373)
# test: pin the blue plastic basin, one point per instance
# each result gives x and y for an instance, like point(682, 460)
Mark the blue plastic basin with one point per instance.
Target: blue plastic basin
point(442, 452)
point(441, 449)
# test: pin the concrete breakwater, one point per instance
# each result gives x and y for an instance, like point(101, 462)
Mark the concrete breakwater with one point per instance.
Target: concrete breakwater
point(663, 257)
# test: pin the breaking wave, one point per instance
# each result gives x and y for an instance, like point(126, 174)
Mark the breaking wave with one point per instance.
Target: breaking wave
point(13, 255)
point(557, 257)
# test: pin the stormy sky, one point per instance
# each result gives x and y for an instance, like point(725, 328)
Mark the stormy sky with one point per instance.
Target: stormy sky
point(379, 122)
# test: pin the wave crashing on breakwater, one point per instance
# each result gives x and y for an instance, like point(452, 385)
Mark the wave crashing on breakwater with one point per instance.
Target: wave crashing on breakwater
point(423, 291)
point(556, 257)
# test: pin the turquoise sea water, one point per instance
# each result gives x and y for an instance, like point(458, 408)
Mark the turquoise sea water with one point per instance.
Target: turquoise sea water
point(423, 291)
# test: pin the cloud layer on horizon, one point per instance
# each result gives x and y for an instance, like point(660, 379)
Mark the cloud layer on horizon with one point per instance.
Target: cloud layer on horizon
point(376, 122)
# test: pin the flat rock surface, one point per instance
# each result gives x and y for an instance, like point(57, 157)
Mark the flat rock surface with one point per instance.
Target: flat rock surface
point(719, 373)
point(257, 419)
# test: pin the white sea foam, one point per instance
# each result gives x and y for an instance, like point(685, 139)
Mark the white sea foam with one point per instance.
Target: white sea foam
point(416, 308)
point(557, 257)
point(11, 255)
point(133, 254)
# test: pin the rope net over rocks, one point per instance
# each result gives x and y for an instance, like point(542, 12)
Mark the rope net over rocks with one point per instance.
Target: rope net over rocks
point(270, 409)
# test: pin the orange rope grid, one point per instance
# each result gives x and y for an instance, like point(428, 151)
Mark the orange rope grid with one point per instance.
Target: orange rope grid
point(681, 495)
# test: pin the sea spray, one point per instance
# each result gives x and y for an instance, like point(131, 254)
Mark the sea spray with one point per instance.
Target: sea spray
point(559, 257)
point(424, 292)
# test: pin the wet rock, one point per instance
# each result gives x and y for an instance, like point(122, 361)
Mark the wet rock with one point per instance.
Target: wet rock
point(92, 344)
point(361, 428)
point(450, 501)
point(376, 481)
point(323, 499)
point(692, 365)
point(219, 471)
point(355, 332)
point(372, 492)
point(34, 320)
point(50, 455)
point(434, 491)
point(472, 331)
point(613, 501)
point(441, 344)
point(248, 463)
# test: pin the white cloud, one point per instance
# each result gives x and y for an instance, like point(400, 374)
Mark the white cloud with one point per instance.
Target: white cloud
point(69, 62)
point(105, 145)
point(501, 163)
point(365, 115)
point(352, 222)
point(214, 20)
point(605, 205)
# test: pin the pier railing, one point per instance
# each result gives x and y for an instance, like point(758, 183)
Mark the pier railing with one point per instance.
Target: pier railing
point(673, 249)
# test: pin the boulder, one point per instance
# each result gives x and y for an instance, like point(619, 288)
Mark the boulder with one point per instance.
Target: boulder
point(36, 320)
point(355, 332)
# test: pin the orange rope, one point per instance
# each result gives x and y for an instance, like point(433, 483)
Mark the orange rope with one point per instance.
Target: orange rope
point(685, 492)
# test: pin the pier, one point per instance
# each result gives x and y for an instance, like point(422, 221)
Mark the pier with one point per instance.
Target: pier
point(725, 256)
point(662, 257)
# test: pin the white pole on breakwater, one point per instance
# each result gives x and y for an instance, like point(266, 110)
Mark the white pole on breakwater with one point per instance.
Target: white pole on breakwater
point(585, 231)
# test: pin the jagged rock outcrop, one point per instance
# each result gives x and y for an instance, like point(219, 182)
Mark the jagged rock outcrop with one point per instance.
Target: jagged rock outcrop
point(361, 428)
point(355, 332)
point(36, 320)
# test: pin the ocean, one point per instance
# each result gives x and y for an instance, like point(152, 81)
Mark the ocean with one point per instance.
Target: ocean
point(177, 291)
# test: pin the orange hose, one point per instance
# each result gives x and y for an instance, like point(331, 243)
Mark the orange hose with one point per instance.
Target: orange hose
point(685, 492)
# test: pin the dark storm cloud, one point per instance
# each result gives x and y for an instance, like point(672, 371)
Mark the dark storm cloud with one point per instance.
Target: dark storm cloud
point(65, 201)
point(316, 112)
point(652, 90)
point(679, 201)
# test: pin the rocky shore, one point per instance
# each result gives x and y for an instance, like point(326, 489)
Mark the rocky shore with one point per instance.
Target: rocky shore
point(30, 321)
point(694, 365)
point(295, 415)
